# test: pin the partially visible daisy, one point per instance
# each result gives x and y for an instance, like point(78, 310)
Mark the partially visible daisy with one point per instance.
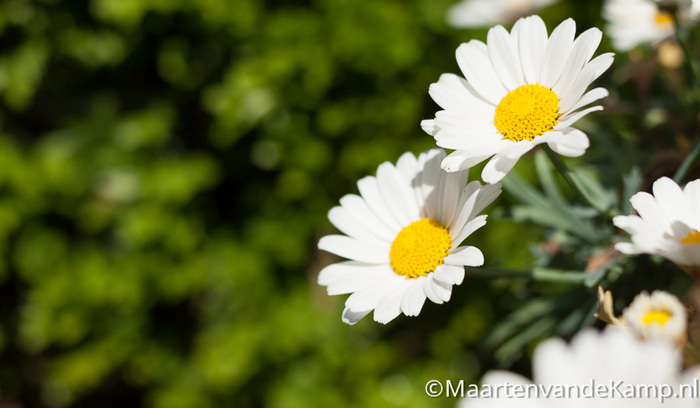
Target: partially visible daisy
point(402, 237)
point(668, 224)
point(485, 13)
point(635, 22)
point(601, 359)
point(522, 89)
point(657, 316)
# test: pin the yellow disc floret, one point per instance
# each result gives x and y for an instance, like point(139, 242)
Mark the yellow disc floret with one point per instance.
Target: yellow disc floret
point(526, 112)
point(693, 238)
point(420, 248)
point(663, 18)
point(656, 316)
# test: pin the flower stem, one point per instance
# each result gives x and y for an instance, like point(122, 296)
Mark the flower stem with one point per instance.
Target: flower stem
point(571, 179)
point(558, 276)
point(537, 273)
point(680, 38)
point(688, 160)
point(497, 273)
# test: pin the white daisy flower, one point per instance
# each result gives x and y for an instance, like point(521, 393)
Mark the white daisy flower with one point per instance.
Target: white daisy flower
point(575, 373)
point(402, 237)
point(668, 224)
point(635, 22)
point(485, 13)
point(657, 316)
point(522, 89)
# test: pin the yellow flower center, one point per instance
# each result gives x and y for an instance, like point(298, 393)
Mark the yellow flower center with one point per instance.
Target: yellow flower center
point(693, 238)
point(419, 248)
point(526, 112)
point(656, 316)
point(663, 18)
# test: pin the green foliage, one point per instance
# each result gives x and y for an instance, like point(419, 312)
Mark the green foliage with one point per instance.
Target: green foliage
point(165, 171)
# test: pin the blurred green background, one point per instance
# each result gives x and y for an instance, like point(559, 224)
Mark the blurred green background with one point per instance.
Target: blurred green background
point(166, 167)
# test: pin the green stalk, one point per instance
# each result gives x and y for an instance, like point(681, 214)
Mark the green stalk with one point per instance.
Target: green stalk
point(495, 273)
point(680, 37)
point(539, 274)
point(571, 179)
point(688, 161)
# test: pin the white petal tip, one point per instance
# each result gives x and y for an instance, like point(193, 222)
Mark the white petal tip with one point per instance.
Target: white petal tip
point(350, 317)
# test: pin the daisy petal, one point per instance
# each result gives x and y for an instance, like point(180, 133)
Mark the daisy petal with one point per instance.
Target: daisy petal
point(349, 225)
point(466, 206)
point(474, 199)
point(586, 76)
point(650, 211)
point(407, 166)
point(390, 307)
point(489, 143)
point(360, 211)
point(454, 93)
point(466, 255)
point(487, 195)
point(570, 119)
point(372, 196)
point(458, 122)
point(557, 52)
point(396, 194)
point(351, 248)
point(369, 298)
point(469, 229)
point(670, 197)
point(449, 274)
point(626, 248)
point(692, 195)
point(460, 160)
point(571, 144)
point(503, 162)
point(582, 51)
point(630, 223)
point(361, 279)
point(474, 62)
point(414, 298)
point(351, 317)
point(600, 64)
point(338, 270)
point(450, 196)
point(442, 291)
point(573, 116)
point(432, 180)
point(504, 57)
point(532, 42)
point(588, 98)
point(429, 127)
point(430, 291)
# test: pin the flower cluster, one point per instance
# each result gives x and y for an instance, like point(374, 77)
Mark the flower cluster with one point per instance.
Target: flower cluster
point(407, 235)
